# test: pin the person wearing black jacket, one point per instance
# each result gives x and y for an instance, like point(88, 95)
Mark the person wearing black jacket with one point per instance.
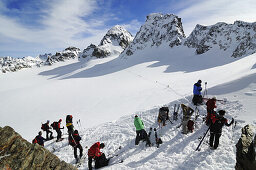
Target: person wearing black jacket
point(40, 139)
point(218, 121)
point(47, 129)
point(74, 140)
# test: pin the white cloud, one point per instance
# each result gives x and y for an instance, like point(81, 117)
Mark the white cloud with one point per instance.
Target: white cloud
point(62, 22)
point(209, 12)
point(133, 26)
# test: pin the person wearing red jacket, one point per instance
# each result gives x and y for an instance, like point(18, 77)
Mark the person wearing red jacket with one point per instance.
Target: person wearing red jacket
point(211, 104)
point(94, 153)
point(59, 131)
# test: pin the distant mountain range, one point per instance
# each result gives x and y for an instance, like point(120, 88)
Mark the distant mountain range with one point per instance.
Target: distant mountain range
point(158, 30)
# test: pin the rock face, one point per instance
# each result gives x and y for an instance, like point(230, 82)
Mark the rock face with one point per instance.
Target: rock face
point(67, 54)
point(9, 64)
point(158, 29)
point(113, 43)
point(17, 153)
point(246, 149)
point(239, 37)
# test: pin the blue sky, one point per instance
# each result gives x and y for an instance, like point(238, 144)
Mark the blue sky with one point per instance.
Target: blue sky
point(33, 27)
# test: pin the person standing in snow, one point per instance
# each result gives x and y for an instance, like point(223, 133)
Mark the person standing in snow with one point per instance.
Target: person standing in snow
point(46, 127)
point(74, 140)
point(69, 124)
point(211, 104)
point(99, 157)
point(56, 126)
point(40, 140)
point(140, 132)
point(197, 98)
point(218, 121)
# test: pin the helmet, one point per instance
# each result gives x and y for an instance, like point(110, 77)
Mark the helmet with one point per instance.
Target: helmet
point(60, 120)
point(75, 132)
point(48, 121)
point(222, 112)
point(214, 97)
point(102, 145)
point(40, 133)
point(199, 81)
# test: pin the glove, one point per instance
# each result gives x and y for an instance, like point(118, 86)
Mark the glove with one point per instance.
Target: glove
point(232, 121)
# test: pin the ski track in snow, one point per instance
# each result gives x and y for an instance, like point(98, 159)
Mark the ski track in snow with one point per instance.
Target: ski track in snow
point(176, 152)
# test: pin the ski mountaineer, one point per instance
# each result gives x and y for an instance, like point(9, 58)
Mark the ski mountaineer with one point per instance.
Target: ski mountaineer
point(99, 157)
point(218, 121)
point(163, 115)
point(69, 124)
point(141, 133)
point(74, 140)
point(197, 98)
point(46, 127)
point(56, 126)
point(211, 104)
point(39, 139)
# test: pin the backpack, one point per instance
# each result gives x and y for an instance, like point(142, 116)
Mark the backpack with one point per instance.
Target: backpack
point(54, 125)
point(34, 141)
point(71, 141)
point(190, 125)
point(69, 119)
point(43, 127)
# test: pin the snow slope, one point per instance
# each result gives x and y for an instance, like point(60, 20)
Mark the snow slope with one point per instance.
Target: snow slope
point(106, 93)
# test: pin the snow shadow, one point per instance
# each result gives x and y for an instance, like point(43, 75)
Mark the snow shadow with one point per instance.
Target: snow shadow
point(176, 59)
point(233, 86)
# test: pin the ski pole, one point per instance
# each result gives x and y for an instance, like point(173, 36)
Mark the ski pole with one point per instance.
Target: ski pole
point(197, 149)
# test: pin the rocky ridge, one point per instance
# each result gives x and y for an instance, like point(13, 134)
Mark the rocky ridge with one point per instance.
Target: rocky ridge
point(239, 38)
point(17, 153)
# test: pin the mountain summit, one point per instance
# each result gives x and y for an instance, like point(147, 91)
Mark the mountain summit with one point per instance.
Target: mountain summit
point(158, 29)
point(113, 43)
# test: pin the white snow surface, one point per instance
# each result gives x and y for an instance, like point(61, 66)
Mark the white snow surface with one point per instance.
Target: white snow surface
point(105, 94)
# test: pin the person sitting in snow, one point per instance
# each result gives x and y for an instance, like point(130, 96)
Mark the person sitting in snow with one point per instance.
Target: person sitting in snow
point(211, 104)
point(197, 98)
point(99, 157)
point(39, 139)
point(141, 133)
point(218, 121)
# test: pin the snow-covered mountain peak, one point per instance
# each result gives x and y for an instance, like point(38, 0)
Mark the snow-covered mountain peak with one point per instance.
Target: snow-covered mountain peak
point(158, 29)
point(239, 38)
point(113, 43)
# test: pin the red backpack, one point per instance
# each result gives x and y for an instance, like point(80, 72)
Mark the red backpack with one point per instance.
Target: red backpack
point(34, 141)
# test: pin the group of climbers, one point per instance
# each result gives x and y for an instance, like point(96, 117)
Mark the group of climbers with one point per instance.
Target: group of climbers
point(213, 120)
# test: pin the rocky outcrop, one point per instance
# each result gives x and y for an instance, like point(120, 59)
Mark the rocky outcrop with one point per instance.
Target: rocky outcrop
point(67, 54)
point(10, 64)
point(239, 38)
point(17, 153)
point(158, 29)
point(113, 43)
point(245, 149)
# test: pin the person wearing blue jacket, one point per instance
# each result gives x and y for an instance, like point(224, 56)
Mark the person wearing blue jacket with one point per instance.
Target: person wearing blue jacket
point(197, 98)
